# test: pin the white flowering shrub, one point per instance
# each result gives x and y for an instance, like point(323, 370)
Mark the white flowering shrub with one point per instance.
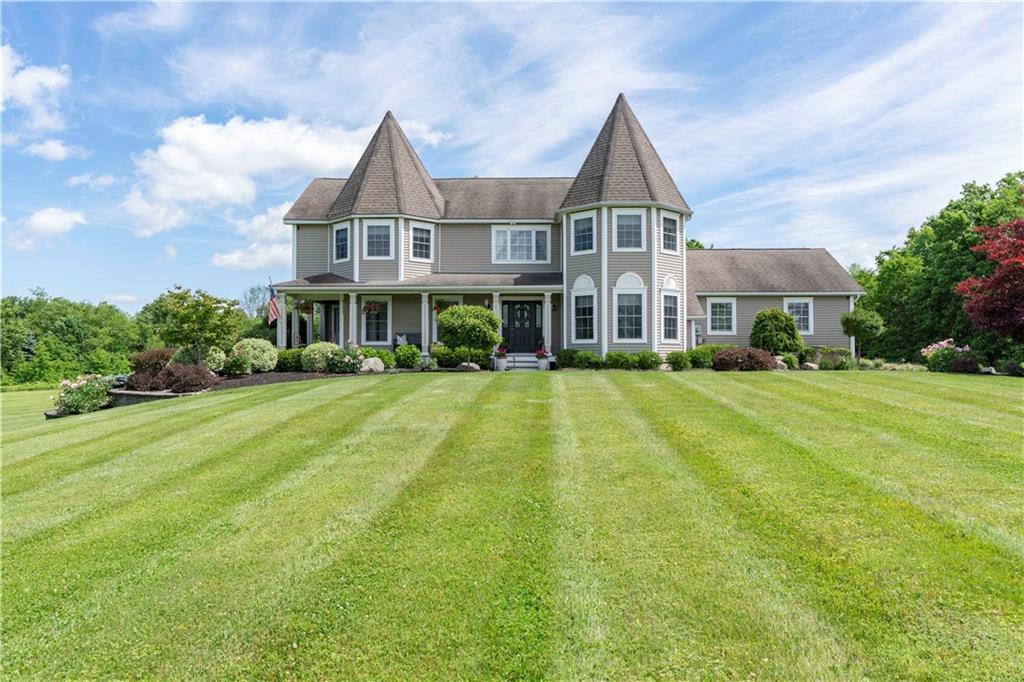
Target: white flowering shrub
point(87, 393)
point(261, 354)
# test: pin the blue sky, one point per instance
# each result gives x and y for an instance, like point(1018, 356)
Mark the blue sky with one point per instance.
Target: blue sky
point(146, 145)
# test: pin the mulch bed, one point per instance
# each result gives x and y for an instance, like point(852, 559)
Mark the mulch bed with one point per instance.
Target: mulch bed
point(266, 378)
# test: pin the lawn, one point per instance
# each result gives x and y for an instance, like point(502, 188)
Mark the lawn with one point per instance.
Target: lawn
point(561, 525)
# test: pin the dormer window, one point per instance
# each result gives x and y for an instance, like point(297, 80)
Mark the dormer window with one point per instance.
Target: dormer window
point(515, 244)
point(377, 239)
point(629, 229)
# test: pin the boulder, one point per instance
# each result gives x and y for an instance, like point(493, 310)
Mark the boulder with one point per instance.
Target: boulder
point(808, 365)
point(780, 364)
point(468, 367)
point(987, 370)
point(372, 366)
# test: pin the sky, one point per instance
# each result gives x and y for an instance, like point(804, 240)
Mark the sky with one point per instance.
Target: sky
point(147, 145)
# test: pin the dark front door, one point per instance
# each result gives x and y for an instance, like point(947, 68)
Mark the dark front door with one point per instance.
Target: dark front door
point(521, 325)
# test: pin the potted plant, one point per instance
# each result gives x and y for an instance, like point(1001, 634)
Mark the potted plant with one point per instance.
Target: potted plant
point(542, 359)
point(501, 358)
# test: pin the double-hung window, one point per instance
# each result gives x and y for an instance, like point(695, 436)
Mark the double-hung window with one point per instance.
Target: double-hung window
point(378, 240)
point(520, 244)
point(721, 316)
point(422, 244)
point(802, 310)
point(341, 242)
point(670, 317)
point(669, 234)
point(583, 317)
point(630, 309)
point(629, 229)
point(583, 233)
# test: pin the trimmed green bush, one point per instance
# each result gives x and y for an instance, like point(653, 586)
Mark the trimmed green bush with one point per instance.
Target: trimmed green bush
point(237, 365)
point(566, 358)
point(316, 356)
point(647, 360)
point(701, 356)
point(453, 357)
point(617, 359)
point(471, 326)
point(289, 360)
point(808, 354)
point(346, 360)
point(407, 356)
point(261, 353)
point(775, 331)
point(385, 356)
point(678, 360)
point(791, 360)
point(587, 359)
point(211, 358)
point(743, 360)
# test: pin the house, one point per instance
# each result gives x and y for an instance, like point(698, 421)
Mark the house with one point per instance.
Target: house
point(597, 261)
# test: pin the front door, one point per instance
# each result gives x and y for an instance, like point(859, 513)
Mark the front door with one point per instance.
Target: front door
point(521, 325)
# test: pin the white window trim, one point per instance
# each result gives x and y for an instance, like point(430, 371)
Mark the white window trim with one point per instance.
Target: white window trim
point(535, 228)
point(674, 293)
point(433, 315)
point(363, 300)
point(583, 291)
point(390, 222)
point(422, 226)
point(572, 232)
point(334, 236)
point(616, 212)
point(721, 299)
point(661, 231)
point(616, 290)
point(810, 311)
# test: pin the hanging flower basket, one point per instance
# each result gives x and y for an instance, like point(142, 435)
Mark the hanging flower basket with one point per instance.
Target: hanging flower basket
point(442, 304)
point(371, 307)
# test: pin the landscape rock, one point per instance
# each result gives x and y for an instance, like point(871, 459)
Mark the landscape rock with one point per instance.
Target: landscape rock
point(808, 365)
point(779, 364)
point(372, 366)
point(987, 370)
point(468, 367)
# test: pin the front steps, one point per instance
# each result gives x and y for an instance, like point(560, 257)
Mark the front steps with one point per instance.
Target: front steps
point(524, 362)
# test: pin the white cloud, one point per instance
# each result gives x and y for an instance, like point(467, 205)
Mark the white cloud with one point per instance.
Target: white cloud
point(160, 17)
point(34, 91)
point(96, 181)
point(44, 224)
point(270, 244)
point(55, 150)
point(152, 217)
point(125, 298)
point(170, 252)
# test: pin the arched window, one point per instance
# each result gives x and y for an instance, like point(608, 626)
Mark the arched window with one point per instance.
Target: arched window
point(629, 299)
point(584, 310)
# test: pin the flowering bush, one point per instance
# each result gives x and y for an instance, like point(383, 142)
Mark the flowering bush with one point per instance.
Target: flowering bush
point(540, 353)
point(939, 356)
point(345, 360)
point(502, 351)
point(407, 356)
point(317, 356)
point(261, 353)
point(932, 348)
point(87, 393)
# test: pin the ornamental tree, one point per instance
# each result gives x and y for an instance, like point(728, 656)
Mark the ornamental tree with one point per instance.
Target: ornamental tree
point(775, 331)
point(863, 324)
point(995, 302)
point(471, 326)
point(185, 317)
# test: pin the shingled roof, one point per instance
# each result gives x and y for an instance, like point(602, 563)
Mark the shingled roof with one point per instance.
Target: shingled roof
point(713, 271)
point(623, 166)
point(389, 179)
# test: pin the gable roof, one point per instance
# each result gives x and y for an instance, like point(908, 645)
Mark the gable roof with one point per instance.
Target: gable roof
point(316, 200)
point(502, 198)
point(712, 271)
point(623, 166)
point(389, 178)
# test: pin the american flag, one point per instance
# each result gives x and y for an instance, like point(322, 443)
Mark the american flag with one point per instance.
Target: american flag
point(273, 312)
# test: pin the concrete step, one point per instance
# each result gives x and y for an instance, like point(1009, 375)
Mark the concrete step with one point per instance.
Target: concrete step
point(522, 362)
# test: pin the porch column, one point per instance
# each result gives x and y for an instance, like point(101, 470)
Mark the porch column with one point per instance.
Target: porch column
point(496, 304)
point(309, 324)
point(341, 320)
point(295, 324)
point(546, 326)
point(282, 322)
point(322, 325)
point(353, 316)
point(425, 323)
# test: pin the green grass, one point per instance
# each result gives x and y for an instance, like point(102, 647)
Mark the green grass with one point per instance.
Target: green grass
point(561, 525)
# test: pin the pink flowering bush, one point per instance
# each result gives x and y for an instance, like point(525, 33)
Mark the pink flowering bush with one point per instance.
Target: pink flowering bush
point(942, 355)
point(87, 393)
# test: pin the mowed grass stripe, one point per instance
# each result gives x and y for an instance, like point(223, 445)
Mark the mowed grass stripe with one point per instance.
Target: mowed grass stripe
point(659, 580)
point(253, 560)
point(1001, 394)
point(454, 579)
point(23, 409)
point(920, 600)
point(50, 569)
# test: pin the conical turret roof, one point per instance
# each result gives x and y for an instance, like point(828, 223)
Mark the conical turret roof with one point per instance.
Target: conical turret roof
point(623, 166)
point(389, 179)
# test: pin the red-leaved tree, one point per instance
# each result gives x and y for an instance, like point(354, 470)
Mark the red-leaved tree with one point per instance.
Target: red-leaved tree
point(996, 301)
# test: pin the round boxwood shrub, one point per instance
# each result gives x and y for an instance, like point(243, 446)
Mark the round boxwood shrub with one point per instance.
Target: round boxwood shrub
point(261, 353)
point(238, 365)
point(566, 358)
point(701, 356)
point(316, 356)
point(587, 359)
point(743, 360)
point(385, 356)
point(407, 356)
point(678, 360)
point(618, 359)
point(775, 331)
point(647, 360)
point(346, 360)
point(470, 326)
point(289, 360)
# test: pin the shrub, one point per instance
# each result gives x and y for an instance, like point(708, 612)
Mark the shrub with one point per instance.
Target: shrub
point(453, 357)
point(566, 357)
point(775, 331)
point(941, 359)
point(618, 359)
point(237, 365)
point(385, 356)
point(261, 353)
point(965, 363)
point(835, 358)
point(792, 362)
point(152, 361)
point(185, 378)
point(587, 359)
point(678, 360)
point(316, 356)
point(743, 360)
point(87, 393)
point(144, 381)
point(346, 360)
point(1014, 369)
point(212, 358)
point(289, 360)
point(647, 360)
point(469, 325)
point(808, 354)
point(407, 356)
point(1012, 362)
point(863, 324)
point(701, 356)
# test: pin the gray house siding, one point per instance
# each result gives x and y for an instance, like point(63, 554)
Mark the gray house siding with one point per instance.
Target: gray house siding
point(415, 268)
point(586, 264)
point(619, 263)
point(405, 318)
point(669, 264)
point(467, 248)
point(345, 267)
point(373, 270)
point(827, 311)
point(311, 249)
